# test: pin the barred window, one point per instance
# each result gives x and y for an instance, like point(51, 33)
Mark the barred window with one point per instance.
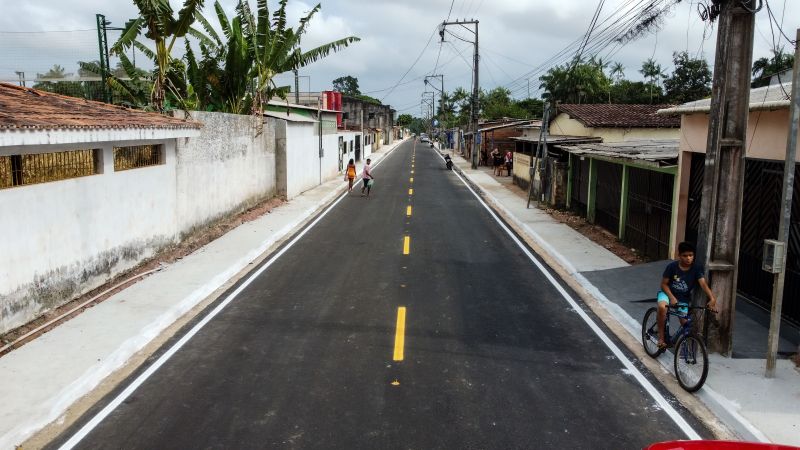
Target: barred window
point(137, 156)
point(20, 170)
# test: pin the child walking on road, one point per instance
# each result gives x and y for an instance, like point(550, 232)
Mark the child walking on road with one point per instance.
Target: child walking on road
point(366, 175)
point(351, 174)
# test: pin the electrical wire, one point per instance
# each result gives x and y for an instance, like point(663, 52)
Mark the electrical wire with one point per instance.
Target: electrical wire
point(412, 65)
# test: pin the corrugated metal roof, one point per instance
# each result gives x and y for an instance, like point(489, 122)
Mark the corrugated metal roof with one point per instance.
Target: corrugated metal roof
point(660, 152)
point(27, 108)
point(561, 139)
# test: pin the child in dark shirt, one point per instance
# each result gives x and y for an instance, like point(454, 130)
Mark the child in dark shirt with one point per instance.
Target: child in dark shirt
point(677, 284)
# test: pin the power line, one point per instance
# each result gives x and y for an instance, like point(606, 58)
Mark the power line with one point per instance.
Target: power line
point(413, 64)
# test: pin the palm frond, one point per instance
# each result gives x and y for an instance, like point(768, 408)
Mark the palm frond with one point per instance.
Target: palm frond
point(210, 31)
point(128, 37)
point(197, 34)
point(304, 21)
point(223, 19)
point(324, 50)
point(186, 17)
point(151, 55)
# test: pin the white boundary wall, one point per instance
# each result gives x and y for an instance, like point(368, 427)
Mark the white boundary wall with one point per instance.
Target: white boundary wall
point(67, 237)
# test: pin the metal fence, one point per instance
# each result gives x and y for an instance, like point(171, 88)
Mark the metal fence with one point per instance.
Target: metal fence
point(134, 157)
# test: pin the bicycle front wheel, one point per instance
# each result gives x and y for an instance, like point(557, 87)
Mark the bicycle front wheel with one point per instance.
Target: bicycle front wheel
point(691, 362)
point(650, 333)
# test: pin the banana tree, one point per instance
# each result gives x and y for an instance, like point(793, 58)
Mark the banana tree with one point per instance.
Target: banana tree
point(220, 80)
point(158, 24)
point(276, 48)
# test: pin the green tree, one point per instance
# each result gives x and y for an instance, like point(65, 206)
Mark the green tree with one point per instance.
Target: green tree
point(497, 104)
point(630, 92)
point(157, 22)
point(617, 72)
point(764, 68)
point(653, 73)
point(276, 48)
point(346, 85)
point(691, 79)
point(576, 82)
point(533, 107)
point(130, 86)
point(53, 81)
point(404, 120)
point(220, 79)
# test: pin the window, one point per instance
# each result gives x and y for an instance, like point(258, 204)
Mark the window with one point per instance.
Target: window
point(20, 170)
point(137, 156)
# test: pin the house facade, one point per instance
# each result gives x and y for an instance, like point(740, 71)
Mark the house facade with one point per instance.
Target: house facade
point(767, 131)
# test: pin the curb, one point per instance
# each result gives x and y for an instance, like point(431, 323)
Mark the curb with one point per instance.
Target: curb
point(95, 375)
point(717, 404)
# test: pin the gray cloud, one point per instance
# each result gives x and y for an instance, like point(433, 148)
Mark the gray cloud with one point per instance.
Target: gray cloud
point(515, 35)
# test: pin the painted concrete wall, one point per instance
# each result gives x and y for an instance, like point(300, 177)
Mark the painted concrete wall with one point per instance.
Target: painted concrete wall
point(68, 237)
point(564, 125)
point(766, 139)
point(298, 163)
point(766, 134)
point(228, 168)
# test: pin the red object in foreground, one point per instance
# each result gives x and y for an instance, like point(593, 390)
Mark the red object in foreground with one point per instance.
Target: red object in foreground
point(717, 445)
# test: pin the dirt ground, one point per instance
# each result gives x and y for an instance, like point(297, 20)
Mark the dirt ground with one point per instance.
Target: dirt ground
point(597, 234)
point(169, 255)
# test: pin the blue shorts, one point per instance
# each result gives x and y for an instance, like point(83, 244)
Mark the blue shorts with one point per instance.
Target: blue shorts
point(662, 297)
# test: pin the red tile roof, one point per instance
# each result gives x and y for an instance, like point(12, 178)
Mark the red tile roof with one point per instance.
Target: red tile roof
point(620, 116)
point(34, 109)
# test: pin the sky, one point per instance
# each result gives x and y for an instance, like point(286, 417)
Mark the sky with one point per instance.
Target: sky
point(400, 42)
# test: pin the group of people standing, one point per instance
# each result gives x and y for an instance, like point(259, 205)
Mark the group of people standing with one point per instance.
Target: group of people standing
point(366, 177)
point(499, 161)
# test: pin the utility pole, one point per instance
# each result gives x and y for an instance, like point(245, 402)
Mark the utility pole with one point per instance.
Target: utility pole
point(102, 41)
point(441, 91)
point(723, 183)
point(21, 76)
point(786, 210)
point(475, 106)
point(296, 88)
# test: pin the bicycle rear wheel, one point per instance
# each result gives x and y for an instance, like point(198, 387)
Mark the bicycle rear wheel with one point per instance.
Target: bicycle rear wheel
point(691, 362)
point(650, 333)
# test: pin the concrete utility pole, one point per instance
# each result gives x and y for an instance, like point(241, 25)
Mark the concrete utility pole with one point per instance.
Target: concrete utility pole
point(475, 84)
point(723, 184)
point(296, 87)
point(441, 92)
point(786, 210)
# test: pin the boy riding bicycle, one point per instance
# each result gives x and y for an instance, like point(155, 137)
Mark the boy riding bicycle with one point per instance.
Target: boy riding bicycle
point(677, 284)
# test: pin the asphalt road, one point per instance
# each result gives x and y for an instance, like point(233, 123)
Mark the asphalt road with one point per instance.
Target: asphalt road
point(304, 357)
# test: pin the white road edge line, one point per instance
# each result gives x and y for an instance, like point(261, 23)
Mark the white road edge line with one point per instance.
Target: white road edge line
point(660, 400)
point(131, 388)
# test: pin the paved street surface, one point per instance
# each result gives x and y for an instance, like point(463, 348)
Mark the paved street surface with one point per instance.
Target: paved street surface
point(346, 341)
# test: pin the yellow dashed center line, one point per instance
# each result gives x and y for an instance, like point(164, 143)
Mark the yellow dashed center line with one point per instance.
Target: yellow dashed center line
point(400, 334)
point(411, 192)
point(412, 171)
point(408, 210)
point(411, 180)
point(406, 245)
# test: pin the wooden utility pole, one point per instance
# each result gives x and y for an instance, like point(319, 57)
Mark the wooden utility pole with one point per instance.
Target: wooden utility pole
point(723, 184)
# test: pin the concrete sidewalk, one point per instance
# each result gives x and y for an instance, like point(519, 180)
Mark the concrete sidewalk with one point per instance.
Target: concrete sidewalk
point(736, 392)
point(42, 380)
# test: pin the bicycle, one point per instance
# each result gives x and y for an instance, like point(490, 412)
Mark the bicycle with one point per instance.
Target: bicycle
point(691, 356)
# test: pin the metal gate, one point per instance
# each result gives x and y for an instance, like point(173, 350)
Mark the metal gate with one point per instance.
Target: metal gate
point(649, 212)
point(609, 190)
point(580, 184)
point(760, 216)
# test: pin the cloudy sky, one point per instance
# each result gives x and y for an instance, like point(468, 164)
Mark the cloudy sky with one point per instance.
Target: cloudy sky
point(518, 39)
